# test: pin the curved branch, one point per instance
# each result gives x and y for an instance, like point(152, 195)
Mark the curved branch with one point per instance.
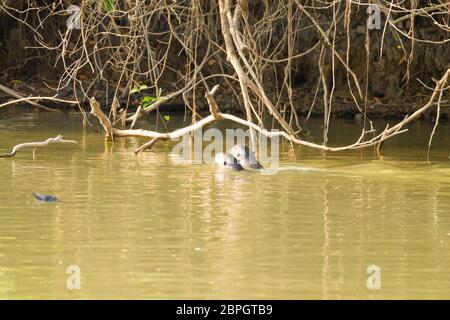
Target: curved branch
point(216, 115)
point(16, 148)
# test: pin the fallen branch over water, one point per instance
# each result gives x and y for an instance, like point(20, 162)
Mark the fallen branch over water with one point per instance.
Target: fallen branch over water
point(215, 115)
point(16, 148)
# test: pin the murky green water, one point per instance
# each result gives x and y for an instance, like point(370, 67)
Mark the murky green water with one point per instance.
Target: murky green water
point(146, 227)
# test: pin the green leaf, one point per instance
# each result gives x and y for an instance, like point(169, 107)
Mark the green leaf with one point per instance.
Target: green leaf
point(108, 5)
point(138, 89)
point(166, 117)
point(147, 101)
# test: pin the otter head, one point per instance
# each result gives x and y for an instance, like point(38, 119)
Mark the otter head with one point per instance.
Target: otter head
point(238, 152)
point(245, 157)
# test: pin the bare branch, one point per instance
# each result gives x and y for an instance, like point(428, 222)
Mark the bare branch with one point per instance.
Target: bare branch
point(57, 139)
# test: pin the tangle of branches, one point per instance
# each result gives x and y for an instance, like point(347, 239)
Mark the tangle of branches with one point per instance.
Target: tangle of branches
point(261, 52)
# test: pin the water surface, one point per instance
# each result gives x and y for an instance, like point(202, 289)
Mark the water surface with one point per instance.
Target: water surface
point(148, 227)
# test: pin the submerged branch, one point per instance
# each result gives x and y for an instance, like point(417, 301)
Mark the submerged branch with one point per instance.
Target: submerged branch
point(16, 148)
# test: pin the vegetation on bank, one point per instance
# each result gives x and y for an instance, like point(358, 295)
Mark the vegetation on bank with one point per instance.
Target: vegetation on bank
point(280, 59)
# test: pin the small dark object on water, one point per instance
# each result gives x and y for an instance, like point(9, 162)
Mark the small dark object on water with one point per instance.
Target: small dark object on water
point(45, 198)
point(228, 161)
point(246, 157)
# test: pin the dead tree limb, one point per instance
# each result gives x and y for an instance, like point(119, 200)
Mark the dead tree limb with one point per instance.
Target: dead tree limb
point(216, 115)
point(232, 43)
point(30, 100)
point(16, 148)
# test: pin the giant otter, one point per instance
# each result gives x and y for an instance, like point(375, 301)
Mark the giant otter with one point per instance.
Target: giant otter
point(228, 161)
point(242, 158)
point(246, 158)
point(238, 158)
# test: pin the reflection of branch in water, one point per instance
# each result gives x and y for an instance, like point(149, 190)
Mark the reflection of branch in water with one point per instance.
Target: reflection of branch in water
point(16, 148)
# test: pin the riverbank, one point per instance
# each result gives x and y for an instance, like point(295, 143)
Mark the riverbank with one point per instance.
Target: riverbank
point(303, 100)
point(394, 65)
